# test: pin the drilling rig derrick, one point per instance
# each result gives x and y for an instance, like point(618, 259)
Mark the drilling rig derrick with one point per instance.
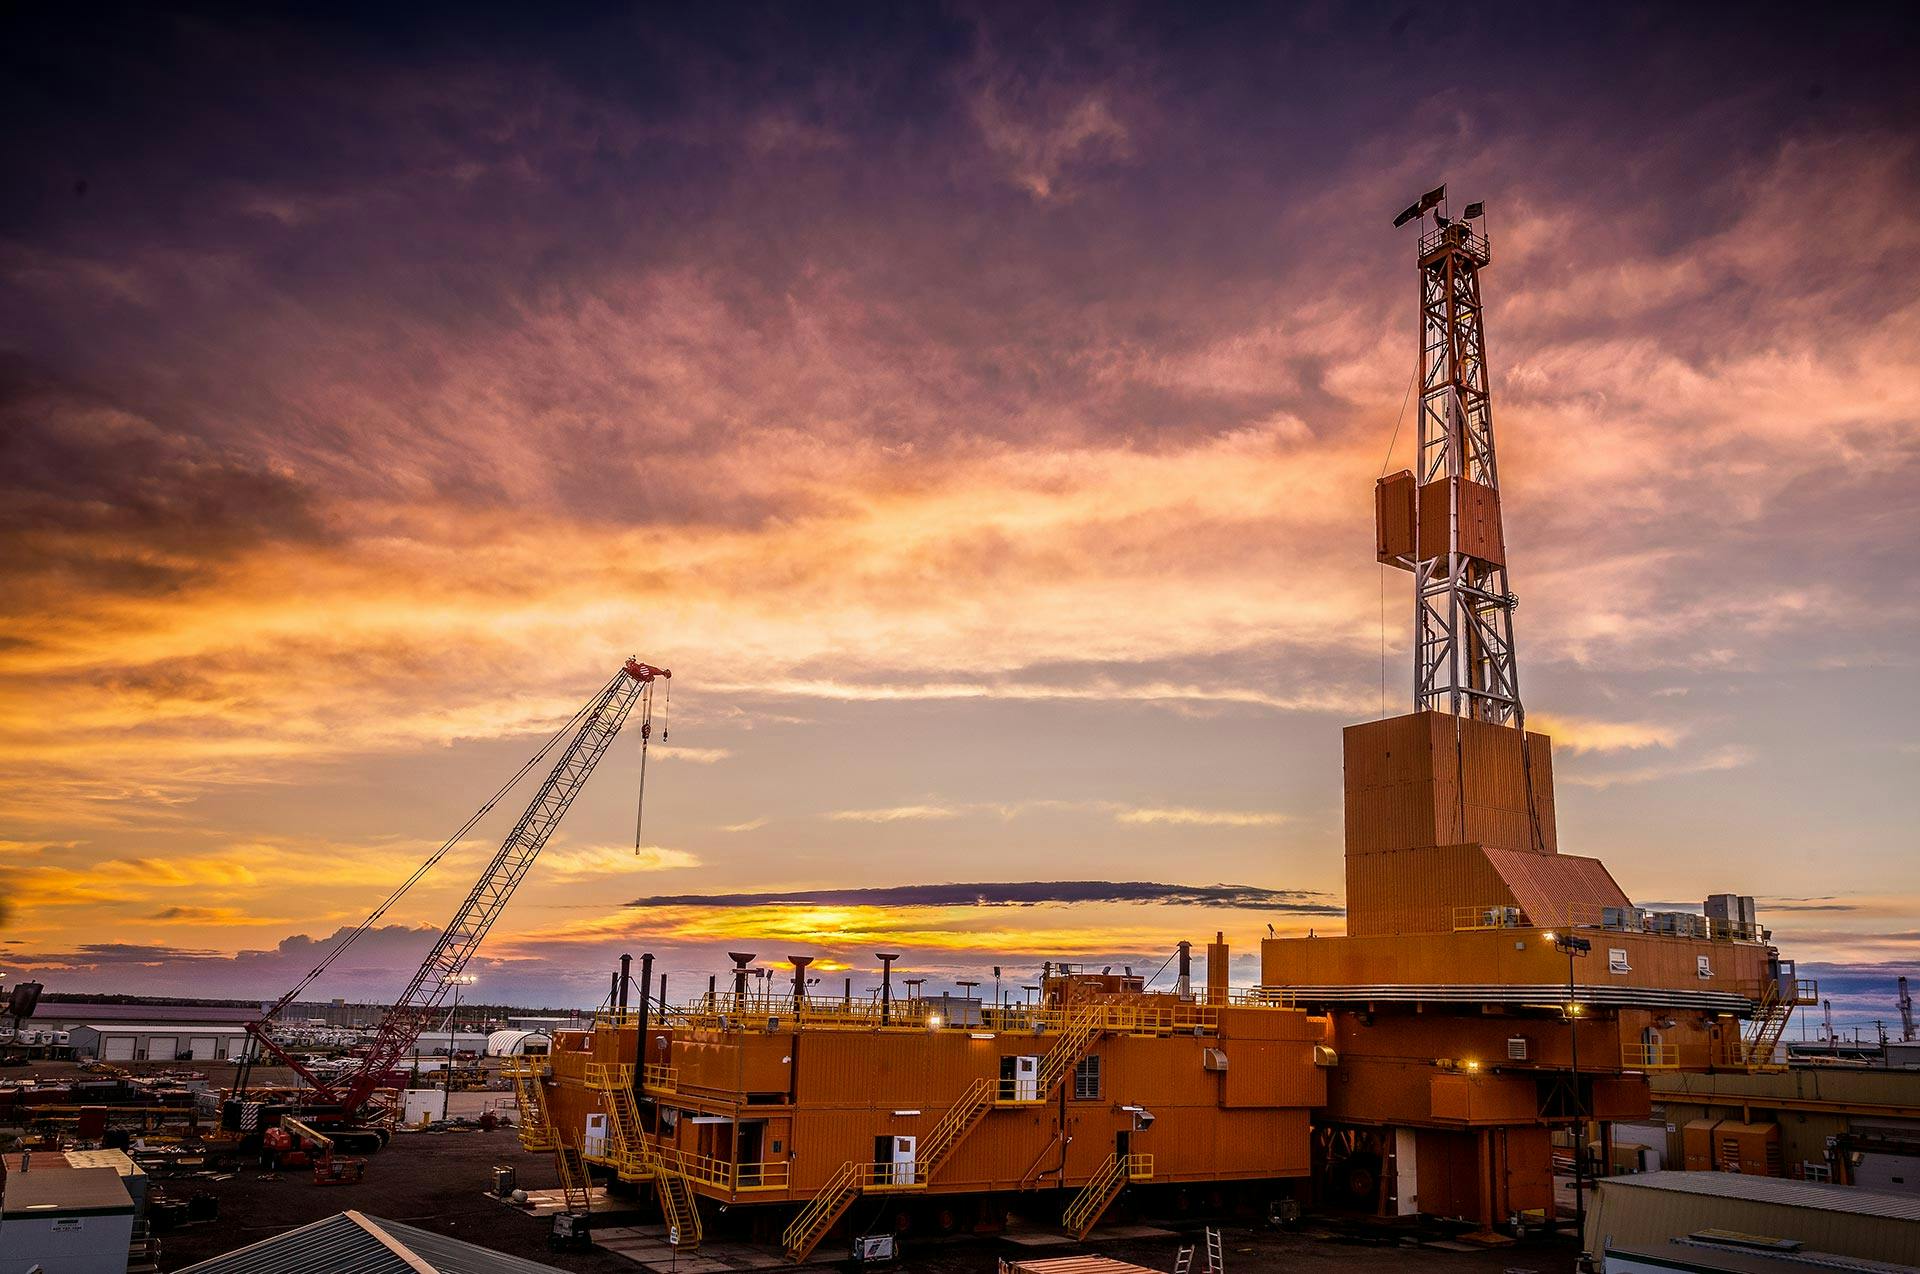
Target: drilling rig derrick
point(1441, 520)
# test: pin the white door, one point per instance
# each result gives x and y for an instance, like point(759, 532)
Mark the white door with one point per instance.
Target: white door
point(162, 1048)
point(595, 1144)
point(903, 1156)
point(203, 1046)
point(1026, 1078)
point(117, 1048)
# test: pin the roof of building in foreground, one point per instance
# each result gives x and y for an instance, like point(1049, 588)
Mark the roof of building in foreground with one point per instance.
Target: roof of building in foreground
point(354, 1243)
point(1780, 1191)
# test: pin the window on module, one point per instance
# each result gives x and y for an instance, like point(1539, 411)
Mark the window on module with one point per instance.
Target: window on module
point(1086, 1079)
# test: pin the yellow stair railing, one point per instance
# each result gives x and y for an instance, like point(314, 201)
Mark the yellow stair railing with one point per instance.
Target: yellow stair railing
point(825, 1208)
point(1105, 1186)
point(576, 1184)
point(1082, 1029)
point(1760, 1038)
point(678, 1203)
point(633, 1157)
point(636, 1158)
point(536, 1127)
point(961, 1118)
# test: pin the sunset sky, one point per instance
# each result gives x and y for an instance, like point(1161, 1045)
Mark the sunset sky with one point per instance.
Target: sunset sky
point(978, 412)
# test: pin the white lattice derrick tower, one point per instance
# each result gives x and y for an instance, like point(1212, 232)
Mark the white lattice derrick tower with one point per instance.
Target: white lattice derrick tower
point(1441, 520)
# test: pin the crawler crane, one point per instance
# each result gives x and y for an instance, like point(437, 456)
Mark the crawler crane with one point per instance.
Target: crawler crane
point(338, 1101)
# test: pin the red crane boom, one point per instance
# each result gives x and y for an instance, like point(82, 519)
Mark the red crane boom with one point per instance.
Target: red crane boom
point(598, 722)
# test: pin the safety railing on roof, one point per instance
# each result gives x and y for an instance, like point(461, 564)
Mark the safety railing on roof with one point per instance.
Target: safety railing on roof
point(1584, 915)
point(660, 1079)
point(1150, 1014)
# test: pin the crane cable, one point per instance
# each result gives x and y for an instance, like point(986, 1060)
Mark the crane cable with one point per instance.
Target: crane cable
point(646, 736)
point(447, 846)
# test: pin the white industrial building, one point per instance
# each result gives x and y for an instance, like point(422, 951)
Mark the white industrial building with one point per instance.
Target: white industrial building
point(160, 1041)
point(515, 1043)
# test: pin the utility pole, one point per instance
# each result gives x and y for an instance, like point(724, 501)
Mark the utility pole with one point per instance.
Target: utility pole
point(1574, 945)
point(456, 981)
point(1906, 1010)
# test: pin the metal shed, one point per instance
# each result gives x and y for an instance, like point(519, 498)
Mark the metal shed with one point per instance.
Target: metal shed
point(1648, 1210)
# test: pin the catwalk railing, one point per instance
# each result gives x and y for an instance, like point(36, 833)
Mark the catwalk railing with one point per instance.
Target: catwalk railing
point(1145, 1015)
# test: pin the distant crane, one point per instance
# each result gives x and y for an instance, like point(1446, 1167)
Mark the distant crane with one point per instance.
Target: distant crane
point(593, 728)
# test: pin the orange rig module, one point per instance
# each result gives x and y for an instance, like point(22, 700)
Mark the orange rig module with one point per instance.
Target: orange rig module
point(1489, 994)
point(746, 1098)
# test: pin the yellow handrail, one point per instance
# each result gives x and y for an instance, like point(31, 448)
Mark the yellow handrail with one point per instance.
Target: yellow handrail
point(1649, 1056)
point(814, 1220)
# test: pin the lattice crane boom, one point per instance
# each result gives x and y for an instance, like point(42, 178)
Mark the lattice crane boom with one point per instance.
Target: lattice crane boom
point(401, 1026)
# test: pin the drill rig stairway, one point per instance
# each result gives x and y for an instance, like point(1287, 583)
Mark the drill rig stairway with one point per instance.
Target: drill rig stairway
point(1099, 1193)
point(821, 1212)
point(536, 1126)
point(1774, 1009)
point(576, 1185)
point(635, 1158)
point(961, 1118)
point(1082, 1029)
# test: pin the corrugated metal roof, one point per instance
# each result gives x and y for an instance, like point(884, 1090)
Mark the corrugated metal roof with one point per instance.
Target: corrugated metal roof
point(353, 1243)
point(1775, 1190)
point(1548, 886)
point(453, 1256)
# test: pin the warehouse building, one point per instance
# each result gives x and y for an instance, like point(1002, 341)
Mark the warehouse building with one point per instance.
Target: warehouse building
point(160, 1041)
point(1694, 1220)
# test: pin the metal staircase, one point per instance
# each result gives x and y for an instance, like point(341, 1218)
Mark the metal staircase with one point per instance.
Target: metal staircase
point(536, 1128)
point(1082, 1029)
point(576, 1186)
point(636, 1158)
point(1105, 1186)
point(1761, 1035)
point(961, 1118)
point(678, 1203)
point(821, 1212)
point(632, 1154)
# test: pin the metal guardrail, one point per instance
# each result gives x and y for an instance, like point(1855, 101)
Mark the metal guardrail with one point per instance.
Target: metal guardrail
point(1646, 1057)
point(776, 1014)
point(878, 1178)
point(661, 1079)
point(1581, 915)
point(723, 1174)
